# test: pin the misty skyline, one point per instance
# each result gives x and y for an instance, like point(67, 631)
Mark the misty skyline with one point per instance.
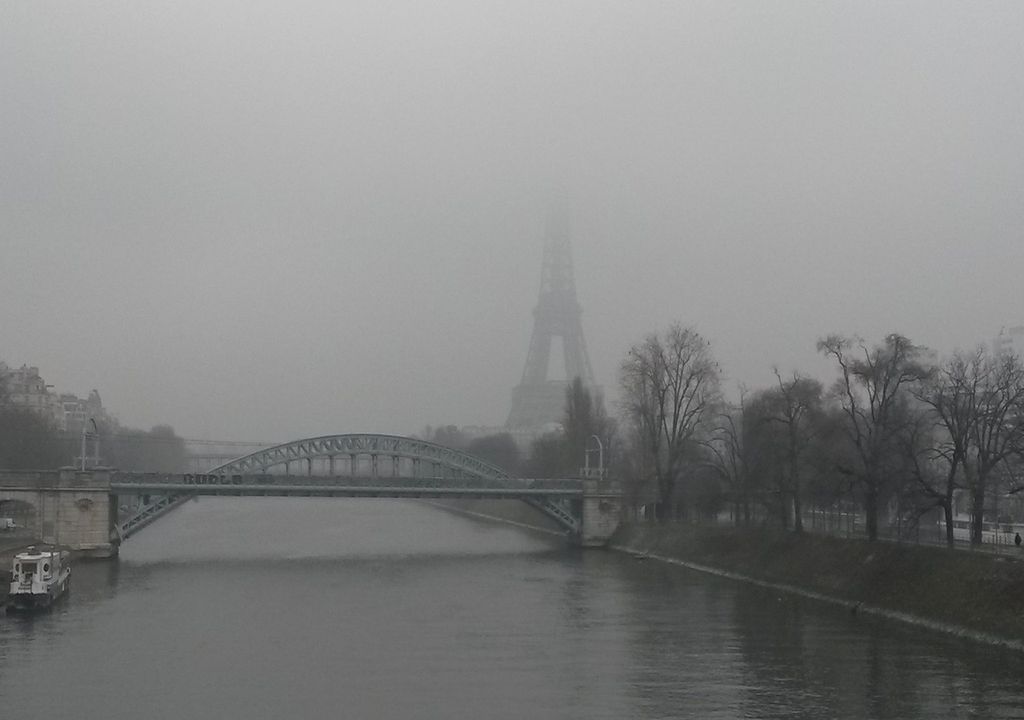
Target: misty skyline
point(266, 221)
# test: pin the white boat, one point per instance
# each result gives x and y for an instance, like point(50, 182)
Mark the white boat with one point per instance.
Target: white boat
point(38, 578)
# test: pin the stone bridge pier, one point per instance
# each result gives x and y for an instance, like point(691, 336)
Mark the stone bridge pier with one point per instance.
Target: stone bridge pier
point(602, 509)
point(67, 507)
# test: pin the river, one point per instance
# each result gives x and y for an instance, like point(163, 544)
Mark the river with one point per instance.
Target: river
point(310, 608)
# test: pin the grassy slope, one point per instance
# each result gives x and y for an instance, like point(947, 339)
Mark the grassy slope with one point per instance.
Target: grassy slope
point(972, 590)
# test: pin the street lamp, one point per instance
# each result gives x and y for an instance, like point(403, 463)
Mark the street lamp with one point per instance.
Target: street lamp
point(96, 435)
point(96, 442)
point(600, 456)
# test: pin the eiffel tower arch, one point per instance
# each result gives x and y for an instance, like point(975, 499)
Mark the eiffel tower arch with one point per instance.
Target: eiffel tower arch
point(539, 400)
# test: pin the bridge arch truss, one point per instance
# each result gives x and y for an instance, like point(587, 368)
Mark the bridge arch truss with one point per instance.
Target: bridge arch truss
point(364, 452)
point(385, 465)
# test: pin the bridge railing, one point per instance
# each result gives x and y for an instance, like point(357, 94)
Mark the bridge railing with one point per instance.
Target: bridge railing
point(150, 480)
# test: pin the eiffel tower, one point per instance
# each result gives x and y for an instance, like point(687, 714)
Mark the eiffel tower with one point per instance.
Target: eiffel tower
point(537, 400)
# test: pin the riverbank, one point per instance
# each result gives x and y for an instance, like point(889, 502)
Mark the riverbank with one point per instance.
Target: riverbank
point(966, 593)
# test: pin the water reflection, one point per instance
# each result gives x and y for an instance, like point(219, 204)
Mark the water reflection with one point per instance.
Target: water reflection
point(398, 611)
point(710, 647)
point(94, 581)
point(807, 659)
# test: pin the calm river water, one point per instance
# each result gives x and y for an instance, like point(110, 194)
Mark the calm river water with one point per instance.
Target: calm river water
point(304, 608)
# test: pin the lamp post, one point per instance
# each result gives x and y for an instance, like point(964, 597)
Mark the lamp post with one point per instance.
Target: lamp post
point(96, 442)
point(600, 456)
point(85, 434)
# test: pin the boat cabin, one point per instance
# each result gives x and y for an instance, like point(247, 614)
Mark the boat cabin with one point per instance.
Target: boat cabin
point(38, 577)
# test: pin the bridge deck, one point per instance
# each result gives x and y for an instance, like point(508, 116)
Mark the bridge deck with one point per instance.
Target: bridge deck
point(340, 486)
point(340, 490)
point(551, 496)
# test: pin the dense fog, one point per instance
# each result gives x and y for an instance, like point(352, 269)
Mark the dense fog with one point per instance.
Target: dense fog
point(265, 221)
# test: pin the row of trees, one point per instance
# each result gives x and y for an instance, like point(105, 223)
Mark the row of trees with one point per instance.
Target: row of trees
point(30, 441)
point(27, 439)
point(499, 449)
point(898, 431)
point(557, 454)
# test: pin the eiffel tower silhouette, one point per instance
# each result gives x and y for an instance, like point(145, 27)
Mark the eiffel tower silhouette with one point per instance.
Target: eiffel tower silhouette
point(538, 400)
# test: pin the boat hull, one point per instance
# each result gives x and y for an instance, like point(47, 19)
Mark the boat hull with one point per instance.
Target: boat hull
point(39, 598)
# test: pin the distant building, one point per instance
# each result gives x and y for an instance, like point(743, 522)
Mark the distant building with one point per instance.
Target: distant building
point(76, 412)
point(1009, 340)
point(26, 388)
point(68, 413)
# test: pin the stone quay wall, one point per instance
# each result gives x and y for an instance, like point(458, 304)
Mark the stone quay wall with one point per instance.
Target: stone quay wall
point(69, 508)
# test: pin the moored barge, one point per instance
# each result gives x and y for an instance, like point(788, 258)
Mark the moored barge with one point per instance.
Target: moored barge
point(38, 579)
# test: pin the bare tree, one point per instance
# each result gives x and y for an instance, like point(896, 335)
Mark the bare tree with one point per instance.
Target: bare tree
point(633, 467)
point(584, 419)
point(669, 391)
point(997, 430)
point(829, 485)
point(447, 435)
point(793, 406)
point(563, 452)
point(728, 449)
point(939, 460)
point(28, 441)
point(499, 449)
point(158, 450)
point(872, 392)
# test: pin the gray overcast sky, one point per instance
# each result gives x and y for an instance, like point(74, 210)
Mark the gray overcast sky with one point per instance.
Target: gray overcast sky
point(267, 220)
